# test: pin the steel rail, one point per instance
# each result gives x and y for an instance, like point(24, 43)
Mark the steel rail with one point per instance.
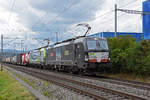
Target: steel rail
point(42, 75)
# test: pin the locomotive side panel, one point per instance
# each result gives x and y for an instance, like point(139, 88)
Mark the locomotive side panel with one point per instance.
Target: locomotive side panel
point(34, 57)
point(43, 56)
point(50, 56)
point(67, 56)
point(79, 55)
point(19, 58)
point(25, 59)
point(14, 59)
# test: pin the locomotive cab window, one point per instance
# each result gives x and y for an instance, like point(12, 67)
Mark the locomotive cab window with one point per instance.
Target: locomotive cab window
point(91, 44)
point(98, 44)
point(102, 44)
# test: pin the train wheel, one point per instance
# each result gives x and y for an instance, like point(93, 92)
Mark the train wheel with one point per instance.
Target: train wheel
point(70, 70)
point(81, 72)
point(75, 70)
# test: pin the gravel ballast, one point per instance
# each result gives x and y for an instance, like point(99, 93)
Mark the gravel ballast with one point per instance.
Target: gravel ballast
point(46, 89)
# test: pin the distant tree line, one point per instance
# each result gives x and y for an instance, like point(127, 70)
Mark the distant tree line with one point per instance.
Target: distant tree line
point(129, 56)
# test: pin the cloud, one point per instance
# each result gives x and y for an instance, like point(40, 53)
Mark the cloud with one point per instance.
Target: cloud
point(43, 18)
point(126, 22)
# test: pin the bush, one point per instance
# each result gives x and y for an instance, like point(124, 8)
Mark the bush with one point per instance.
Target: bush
point(129, 56)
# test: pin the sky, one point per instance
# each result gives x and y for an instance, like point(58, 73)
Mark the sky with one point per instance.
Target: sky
point(34, 21)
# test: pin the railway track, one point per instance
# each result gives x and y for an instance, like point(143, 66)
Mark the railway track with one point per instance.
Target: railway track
point(82, 87)
point(136, 84)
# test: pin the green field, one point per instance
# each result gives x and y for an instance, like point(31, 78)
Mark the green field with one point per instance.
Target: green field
point(11, 89)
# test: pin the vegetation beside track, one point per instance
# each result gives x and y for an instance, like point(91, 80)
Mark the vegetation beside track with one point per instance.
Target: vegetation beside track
point(34, 84)
point(11, 89)
point(131, 77)
point(129, 56)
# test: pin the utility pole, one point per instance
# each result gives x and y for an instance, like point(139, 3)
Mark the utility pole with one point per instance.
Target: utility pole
point(56, 37)
point(21, 45)
point(1, 52)
point(48, 41)
point(23, 50)
point(115, 20)
point(14, 48)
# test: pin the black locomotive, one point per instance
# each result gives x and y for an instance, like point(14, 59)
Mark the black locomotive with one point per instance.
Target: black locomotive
point(81, 54)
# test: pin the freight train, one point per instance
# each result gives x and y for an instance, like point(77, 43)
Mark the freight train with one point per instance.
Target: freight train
point(83, 54)
point(77, 55)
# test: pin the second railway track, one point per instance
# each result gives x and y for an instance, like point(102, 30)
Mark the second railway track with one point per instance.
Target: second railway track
point(91, 90)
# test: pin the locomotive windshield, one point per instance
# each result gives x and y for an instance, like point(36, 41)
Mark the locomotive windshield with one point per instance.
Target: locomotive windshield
point(102, 44)
point(91, 44)
point(97, 44)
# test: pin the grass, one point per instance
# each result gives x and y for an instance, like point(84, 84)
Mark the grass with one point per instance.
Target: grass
point(45, 84)
point(1, 68)
point(129, 77)
point(10, 89)
point(47, 93)
point(26, 80)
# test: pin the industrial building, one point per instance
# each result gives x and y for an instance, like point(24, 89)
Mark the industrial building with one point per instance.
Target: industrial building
point(138, 36)
point(145, 26)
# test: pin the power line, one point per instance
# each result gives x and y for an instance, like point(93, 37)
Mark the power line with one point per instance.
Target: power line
point(10, 40)
point(10, 13)
point(11, 10)
point(129, 3)
point(113, 10)
point(64, 11)
point(41, 18)
point(134, 11)
point(99, 16)
point(108, 12)
point(58, 15)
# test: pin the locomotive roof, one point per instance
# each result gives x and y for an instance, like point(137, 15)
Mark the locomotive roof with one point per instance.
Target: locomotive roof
point(74, 40)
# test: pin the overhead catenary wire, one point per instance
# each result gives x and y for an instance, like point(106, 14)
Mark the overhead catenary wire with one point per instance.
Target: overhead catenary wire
point(123, 24)
point(11, 10)
point(12, 40)
point(58, 15)
point(41, 18)
point(134, 11)
point(72, 5)
point(108, 12)
point(129, 3)
point(11, 4)
point(69, 7)
point(114, 10)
